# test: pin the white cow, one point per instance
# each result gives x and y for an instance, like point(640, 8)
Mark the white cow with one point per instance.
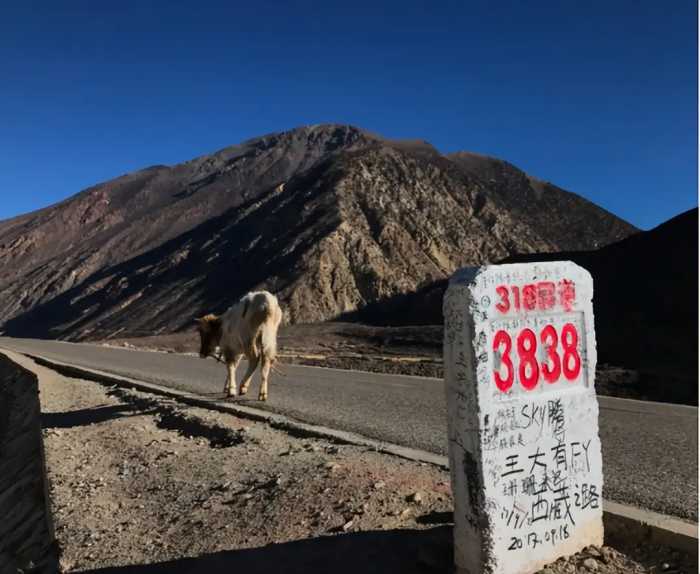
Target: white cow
point(247, 328)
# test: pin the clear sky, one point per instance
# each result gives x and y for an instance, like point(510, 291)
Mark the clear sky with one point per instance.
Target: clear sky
point(596, 96)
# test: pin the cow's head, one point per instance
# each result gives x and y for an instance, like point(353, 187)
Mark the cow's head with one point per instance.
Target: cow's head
point(209, 328)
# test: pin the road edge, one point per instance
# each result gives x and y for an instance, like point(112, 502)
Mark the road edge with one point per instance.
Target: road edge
point(275, 420)
point(621, 521)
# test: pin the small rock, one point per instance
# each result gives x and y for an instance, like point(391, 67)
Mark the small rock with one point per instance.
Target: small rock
point(608, 554)
point(590, 564)
point(405, 513)
point(332, 450)
point(665, 566)
point(347, 526)
point(332, 466)
point(379, 484)
point(593, 551)
point(416, 498)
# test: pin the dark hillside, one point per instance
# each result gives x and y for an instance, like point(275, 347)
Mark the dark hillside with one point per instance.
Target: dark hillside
point(645, 304)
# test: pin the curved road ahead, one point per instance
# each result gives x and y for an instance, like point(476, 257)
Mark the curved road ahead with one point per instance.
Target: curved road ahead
point(650, 450)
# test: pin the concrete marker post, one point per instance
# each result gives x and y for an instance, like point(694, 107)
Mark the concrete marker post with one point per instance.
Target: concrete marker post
point(524, 451)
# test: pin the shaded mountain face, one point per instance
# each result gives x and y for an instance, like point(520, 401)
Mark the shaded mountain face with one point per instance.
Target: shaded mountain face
point(330, 218)
point(645, 304)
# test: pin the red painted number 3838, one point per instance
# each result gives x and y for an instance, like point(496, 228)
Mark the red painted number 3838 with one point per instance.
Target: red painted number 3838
point(562, 357)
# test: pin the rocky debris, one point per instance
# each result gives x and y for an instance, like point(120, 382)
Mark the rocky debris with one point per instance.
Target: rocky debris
point(644, 559)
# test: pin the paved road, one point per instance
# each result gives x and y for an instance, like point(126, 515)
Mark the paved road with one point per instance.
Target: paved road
point(650, 450)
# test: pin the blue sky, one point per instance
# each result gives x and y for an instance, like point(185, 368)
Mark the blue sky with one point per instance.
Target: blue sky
point(596, 96)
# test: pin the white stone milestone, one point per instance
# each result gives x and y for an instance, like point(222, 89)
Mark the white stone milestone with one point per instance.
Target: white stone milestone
point(525, 457)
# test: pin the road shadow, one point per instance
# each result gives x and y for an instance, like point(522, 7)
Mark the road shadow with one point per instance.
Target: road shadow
point(84, 417)
point(375, 552)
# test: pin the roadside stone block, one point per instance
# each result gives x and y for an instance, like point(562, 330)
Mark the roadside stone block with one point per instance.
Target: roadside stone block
point(524, 450)
point(26, 528)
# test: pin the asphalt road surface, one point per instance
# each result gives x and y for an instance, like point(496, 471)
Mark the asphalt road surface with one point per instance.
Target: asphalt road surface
point(650, 450)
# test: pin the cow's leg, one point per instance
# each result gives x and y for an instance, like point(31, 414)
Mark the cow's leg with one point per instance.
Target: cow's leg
point(230, 384)
point(265, 375)
point(252, 365)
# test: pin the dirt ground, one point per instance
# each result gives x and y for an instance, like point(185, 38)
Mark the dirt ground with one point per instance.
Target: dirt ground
point(411, 350)
point(141, 484)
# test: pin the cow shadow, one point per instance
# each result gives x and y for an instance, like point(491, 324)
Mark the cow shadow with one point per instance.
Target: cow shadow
point(375, 552)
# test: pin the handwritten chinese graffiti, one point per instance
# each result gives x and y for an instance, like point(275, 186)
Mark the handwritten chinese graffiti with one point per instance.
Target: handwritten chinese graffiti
point(545, 476)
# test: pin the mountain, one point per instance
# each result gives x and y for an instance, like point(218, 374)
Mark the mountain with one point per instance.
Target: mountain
point(329, 217)
point(563, 214)
point(46, 252)
point(645, 303)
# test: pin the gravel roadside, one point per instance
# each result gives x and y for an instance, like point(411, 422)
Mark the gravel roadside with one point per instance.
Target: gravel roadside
point(141, 484)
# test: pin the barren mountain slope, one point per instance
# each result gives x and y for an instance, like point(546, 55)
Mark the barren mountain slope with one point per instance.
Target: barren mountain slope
point(45, 252)
point(359, 226)
point(575, 222)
